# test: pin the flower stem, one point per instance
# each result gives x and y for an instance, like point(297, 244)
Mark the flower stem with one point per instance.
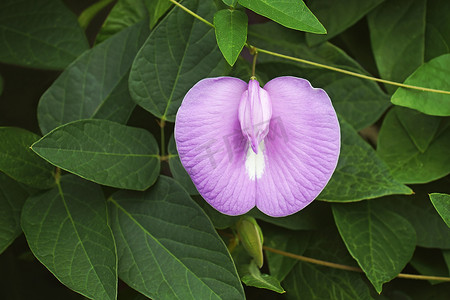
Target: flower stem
point(255, 56)
point(191, 13)
point(162, 124)
point(348, 268)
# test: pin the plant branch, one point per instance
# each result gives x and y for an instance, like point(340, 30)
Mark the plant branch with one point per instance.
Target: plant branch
point(424, 89)
point(348, 268)
point(191, 13)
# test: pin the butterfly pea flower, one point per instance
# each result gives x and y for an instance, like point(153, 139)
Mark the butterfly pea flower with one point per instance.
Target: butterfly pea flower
point(243, 146)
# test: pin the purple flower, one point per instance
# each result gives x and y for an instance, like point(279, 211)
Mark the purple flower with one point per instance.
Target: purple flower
point(243, 146)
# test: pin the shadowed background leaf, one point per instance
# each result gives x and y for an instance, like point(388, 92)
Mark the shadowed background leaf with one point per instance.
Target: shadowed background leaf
point(96, 84)
point(338, 15)
point(39, 34)
point(415, 146)
point(12, 198)
point(360, 173)
point(19, 162)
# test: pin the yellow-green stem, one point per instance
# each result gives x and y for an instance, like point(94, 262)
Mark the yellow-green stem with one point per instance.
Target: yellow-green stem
point(352, 73)
point(191, 13)
point(348, 268)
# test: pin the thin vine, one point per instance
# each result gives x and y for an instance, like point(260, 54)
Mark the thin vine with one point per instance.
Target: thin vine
point(343, 71)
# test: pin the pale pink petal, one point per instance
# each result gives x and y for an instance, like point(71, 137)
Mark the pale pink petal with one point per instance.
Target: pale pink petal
point(301, 149)
point(211, 145)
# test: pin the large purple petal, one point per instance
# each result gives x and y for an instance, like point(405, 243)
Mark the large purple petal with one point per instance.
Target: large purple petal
point(211, 145)
point(301, 149)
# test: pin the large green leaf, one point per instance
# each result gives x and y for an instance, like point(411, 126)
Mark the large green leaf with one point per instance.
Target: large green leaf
point(19, 162)
point(12, 198)
point(442, 204)
point(433, 74)
point(289, 241)
point(95, 85)
point(231, 32)
point(315, 282)
point(177, 169)
point(397, 32)
point(358, 101)
point(381, 241)
point(360, 173)
point(163, 72)
point(290, 13)
point(415, 146)
point(104, 152)
point(272, 36)
point(338, 15)
point(39, 34)
point(67, 230)
point(437, 38)
point(168, 248)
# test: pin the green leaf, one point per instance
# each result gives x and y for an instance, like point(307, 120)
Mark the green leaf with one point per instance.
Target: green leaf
point(86, 16)
point(67, 230)
point(358, 101)
point(415, 146)
point(231, 32)
point(315, 282)
point(254, 277)
point(168, 248)
point(312, 217)
point(289, 241)
point(162, 73)
point(437, 38)
point(1, 84)
point(272, 36)
point(397, 33)
point(230, 2)
point(95, 85)
point(39, 34)
point(156, 9)
point(433, 74)
point(19, 162)
point(446, 254)
point(338, 15)
point(104, 152)
point(381, 241)
point(12, 198)
point(177, 169)
point(430, 262)
point(431, 231)
point(442, 204)
point(124, 14)
point(360, 173)
point(289, 13)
